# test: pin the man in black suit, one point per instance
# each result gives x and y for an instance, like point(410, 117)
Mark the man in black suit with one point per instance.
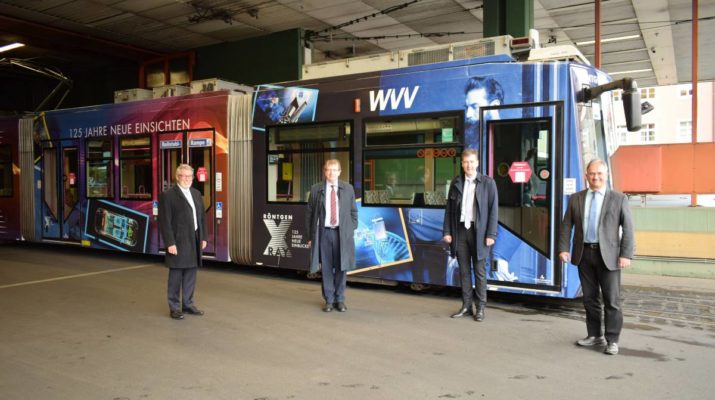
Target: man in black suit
point(182, 220)
point(331, 220)
point(471, 219)
point(598, 216)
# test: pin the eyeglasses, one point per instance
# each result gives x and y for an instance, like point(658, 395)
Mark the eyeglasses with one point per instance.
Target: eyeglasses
point(185, 176)
point(332, 170)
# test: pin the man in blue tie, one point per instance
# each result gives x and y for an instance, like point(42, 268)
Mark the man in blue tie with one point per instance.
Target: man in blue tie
point(603, 244)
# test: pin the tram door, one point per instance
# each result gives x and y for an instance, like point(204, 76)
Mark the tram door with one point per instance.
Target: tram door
point(519, 152)
point(61, 208)
point(196, 148)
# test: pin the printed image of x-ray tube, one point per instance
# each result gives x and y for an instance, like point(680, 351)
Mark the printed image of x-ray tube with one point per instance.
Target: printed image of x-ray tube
point(116, 227)
point(295, 108)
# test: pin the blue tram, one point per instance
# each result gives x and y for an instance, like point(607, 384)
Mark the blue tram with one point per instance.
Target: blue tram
point(91, 176)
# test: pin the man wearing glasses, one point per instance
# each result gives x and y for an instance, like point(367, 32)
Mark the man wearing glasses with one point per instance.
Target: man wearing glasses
point(331, 221)
point(183, 228)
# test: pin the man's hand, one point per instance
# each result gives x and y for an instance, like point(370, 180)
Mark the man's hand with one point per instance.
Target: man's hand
point(489, 242)
point(203, 244)
point(447, 239)
point(565, 256)
point(172, 249)
point(623, 262)
point(309, 242)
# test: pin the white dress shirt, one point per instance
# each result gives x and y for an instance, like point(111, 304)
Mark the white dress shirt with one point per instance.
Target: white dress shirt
point(187, 194)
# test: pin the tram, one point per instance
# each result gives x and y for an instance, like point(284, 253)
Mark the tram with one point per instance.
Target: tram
point(91, 176)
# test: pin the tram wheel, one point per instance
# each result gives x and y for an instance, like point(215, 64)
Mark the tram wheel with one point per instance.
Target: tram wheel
point(418, 287)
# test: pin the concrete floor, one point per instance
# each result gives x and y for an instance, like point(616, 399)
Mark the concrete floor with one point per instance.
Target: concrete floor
point(95, 325)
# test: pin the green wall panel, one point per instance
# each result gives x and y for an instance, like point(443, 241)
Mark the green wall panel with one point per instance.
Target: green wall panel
point(277, 57)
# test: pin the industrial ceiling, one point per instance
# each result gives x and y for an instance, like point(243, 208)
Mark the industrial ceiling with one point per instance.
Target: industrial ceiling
point(650, 39)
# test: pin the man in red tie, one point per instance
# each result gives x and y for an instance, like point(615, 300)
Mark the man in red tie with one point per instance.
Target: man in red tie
point(331, 221)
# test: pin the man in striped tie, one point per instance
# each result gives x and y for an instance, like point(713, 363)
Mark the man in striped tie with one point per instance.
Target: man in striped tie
point(331, 220)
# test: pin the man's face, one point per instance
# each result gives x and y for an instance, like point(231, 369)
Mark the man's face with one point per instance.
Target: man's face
point(184, 177)
point(475, 98)
point(470, 164)
point(597, 176)
point(332, 172)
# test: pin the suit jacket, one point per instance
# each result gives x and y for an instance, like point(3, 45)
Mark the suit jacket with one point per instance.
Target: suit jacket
point(348, 221)
point(177, 227)
point(615, 216)
point(487, 213)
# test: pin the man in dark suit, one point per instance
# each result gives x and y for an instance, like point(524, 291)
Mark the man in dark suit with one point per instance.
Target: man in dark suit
point(331, 221)
point(471, 219)
point(598, 216)
point(182, 220)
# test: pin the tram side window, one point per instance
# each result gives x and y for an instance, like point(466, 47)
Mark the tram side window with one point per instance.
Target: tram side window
point(136, 169)
point(100, 156)
point(411, 161)
point(296, 155)
point(5, 171)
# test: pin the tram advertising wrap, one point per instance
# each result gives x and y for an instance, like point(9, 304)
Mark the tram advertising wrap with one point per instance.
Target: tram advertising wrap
point(102, 169)
point(400, 147)
point(95, 173)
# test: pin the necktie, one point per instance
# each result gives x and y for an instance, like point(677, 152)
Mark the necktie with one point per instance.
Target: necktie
point(592, 227)
point(333, 205)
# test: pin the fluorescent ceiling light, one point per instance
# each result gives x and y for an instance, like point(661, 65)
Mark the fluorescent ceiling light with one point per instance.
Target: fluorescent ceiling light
point(633, 71)
point(11, 46)
point(615, 39)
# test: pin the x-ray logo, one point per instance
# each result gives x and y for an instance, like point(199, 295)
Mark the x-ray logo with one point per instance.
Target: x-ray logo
point(277, 245)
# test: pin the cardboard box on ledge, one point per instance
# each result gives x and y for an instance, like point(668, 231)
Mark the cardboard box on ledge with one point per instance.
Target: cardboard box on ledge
point(170, 91)
point(215, 85)
point(123, 96)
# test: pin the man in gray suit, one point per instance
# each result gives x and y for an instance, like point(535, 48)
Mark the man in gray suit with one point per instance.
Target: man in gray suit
point(331, 221)
point(598, 216)
point(182, 221)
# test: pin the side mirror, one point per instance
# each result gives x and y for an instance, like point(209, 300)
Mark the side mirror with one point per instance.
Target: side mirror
point(632, 108)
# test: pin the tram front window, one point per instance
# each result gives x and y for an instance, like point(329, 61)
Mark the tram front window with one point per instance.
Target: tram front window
point(524, 199)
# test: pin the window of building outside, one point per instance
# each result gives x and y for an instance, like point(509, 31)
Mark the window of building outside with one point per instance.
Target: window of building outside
point(648, 93)
point(685, 90)
point(622, 132)
point(685, 130)
point(411, 161)
point(135, 168)
point(648, 133)
point(100, 157)
point(296, 154)
point(5, 171)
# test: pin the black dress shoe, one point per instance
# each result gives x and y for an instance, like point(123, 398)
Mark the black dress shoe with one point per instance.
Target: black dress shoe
point(341, 307)
point(193, 311)
point(479, 316)
point(176, 314)
point(328, 307)
point(462, 312)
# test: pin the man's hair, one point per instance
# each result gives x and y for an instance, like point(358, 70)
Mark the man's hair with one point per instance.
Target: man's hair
point(184, 166)
point(490, 85)
point(332, 161)
point(596, 161)
point(470, 152)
